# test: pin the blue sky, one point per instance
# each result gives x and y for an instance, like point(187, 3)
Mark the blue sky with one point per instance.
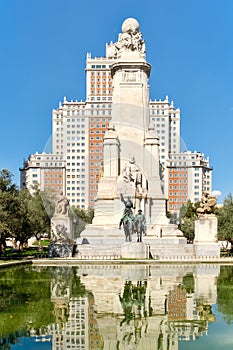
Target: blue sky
point(219, 336)
point(189, 45)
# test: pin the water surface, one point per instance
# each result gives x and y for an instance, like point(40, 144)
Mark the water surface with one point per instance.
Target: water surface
point(163, 307)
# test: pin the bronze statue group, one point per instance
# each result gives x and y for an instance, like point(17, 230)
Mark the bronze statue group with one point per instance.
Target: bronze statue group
point(132, 224)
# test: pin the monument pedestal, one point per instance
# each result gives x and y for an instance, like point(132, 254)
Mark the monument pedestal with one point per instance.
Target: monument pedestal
point(61, 237)
point(61, 227)
point(135, 250)
point(108, 235)
point(205, 242)
point(60, 250)
point(125, 250)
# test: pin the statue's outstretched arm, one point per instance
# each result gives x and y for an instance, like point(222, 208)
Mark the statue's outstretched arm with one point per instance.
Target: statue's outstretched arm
point(122, 198)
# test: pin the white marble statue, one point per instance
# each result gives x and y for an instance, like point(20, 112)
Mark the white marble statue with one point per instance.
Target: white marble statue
point(131, 38)
point(61, 205)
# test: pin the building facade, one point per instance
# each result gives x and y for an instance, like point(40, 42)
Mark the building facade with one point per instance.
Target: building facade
point(188, 175)
point(46, 172)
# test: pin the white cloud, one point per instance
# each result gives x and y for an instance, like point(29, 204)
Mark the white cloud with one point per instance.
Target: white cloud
point(216, 193)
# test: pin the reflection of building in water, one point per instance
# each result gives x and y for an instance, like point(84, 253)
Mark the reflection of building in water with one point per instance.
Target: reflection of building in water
point(136, 308)
point(80, 332)
point(94, 338)
point(74, 334)
point(177, 304)
point(76, 327)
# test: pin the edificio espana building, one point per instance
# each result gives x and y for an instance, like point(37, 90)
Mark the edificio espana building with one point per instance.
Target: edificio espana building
point(188, 176)
point(48, 171)
point(74, 166)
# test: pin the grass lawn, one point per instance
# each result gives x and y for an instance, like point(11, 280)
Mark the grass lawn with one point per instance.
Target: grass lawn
point(12, 254)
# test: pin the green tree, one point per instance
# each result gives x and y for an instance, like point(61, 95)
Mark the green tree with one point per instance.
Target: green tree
point(6, 178)
point(187, 219)
point(38, 216)
point(81, 218)
point(8, 205)
point(21, 218)
point(22, 215)
point(30, 218)
point(225, 220)
point(188, 283)
point(48, 200)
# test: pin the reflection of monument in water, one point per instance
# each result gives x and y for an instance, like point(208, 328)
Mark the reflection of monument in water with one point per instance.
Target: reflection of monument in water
point(131, 167)
point(144, 307)
point(154, 307)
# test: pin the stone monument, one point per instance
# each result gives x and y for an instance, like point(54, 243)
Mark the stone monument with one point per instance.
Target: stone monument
point(205, 241)
point(131, 165)
point(61, 229)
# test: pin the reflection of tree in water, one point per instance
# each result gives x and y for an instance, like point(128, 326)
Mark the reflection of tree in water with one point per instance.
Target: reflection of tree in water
point(25, 303)
point(134, 308)
point(225, 292)
point(188, 283)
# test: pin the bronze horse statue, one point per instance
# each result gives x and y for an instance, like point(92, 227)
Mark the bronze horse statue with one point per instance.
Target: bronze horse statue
point(128, 224)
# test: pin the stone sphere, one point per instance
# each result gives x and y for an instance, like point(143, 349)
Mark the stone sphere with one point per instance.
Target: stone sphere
point(130, 25)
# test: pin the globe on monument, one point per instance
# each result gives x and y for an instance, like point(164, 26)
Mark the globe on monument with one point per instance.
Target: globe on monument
point(130, 25)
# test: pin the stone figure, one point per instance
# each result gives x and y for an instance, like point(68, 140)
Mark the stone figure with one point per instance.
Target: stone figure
point(101, 173)
point(138, 43)
point(207, 204)
point(61, 229)
point(131, 173)
point(60, 234)
point(138, 180)
point(61, 243)
point(127, 173)
point(161, 171)
point(61, 205)
point(161, 175)
point(124, 41)
point(140, 224)
point(131, 38)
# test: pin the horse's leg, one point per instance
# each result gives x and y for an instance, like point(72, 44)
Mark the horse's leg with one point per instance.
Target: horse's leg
point(131, 232)
point(140, 235)
point(126, 233)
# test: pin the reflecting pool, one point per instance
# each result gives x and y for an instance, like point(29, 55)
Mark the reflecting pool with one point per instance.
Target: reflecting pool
point(159, 307)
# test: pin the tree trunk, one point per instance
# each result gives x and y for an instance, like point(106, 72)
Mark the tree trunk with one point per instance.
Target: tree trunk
point(14, 243)
point(2, 245)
